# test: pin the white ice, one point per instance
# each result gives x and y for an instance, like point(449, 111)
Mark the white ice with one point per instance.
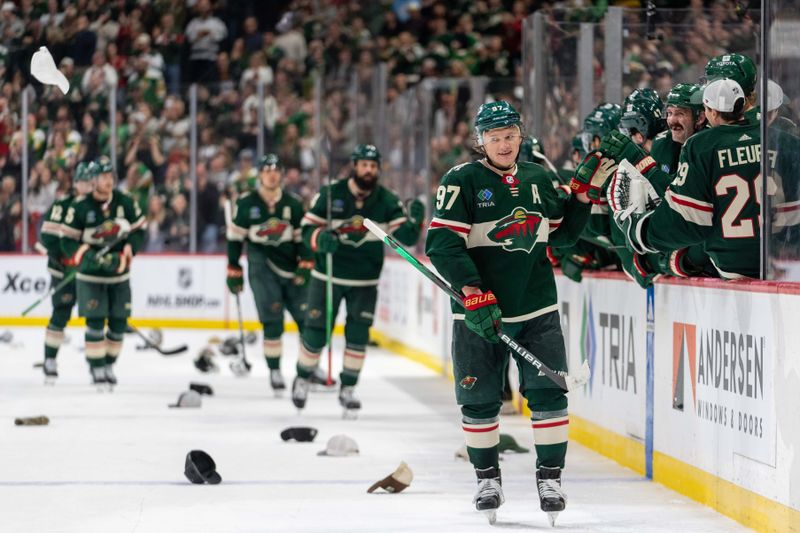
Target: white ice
point(114, 462)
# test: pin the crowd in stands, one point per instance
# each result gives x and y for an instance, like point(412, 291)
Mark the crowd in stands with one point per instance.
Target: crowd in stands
point(145, 55)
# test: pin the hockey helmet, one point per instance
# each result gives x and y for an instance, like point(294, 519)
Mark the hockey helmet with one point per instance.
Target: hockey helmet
point(368, 152)
point(737, 67)
point(495, 115)
point(686, 95)
point(642, 93)
point(83, 172)
point(270, 162)
point(644, 116)
point(579, 145)
point(530, 146)
point(103, 165)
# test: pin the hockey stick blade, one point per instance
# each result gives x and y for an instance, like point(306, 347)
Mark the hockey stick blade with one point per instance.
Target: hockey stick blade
point(173, 351)
point(563, 380)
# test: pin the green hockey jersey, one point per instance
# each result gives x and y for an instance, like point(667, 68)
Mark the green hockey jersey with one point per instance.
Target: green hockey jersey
point(715, 199)
point(359, 259)
point(90, 224)
point(666, 152)
point(491, 230)
point(50, 235)
point(271, 231)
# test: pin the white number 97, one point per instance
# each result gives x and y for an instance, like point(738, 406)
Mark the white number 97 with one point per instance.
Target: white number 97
point(441, 195)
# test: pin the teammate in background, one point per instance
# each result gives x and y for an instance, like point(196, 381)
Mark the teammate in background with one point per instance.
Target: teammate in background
point(278, 263)
point(357, 263)
point(716, 195)
point(59, 265)
point(742, 70)
point(493, 220)
point(602, 119)
point(104, 217)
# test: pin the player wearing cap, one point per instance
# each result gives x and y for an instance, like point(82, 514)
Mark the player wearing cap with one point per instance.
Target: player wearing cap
point(493, 220)
point(105, 217)
point(716, 195)
point(59, 265)
point(279, 264)
point(742, 70)
point(357, 257)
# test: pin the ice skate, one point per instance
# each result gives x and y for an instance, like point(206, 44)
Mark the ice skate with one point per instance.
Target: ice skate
point(300, 392)
point(551, 496)
point(111, 378)
point(99, 379)
point(50, 369)
point(319, 379)
point(489, 496)
point(276, 382)
point(349, 402)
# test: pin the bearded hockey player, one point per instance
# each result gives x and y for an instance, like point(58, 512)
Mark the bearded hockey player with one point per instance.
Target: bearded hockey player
point(279, 265)
point(715, 196)
point(493, 220)
point(106, 216)
point(357, 257)
point(59, 265)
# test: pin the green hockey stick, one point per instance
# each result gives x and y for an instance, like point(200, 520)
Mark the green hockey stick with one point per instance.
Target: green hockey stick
point(562, 379)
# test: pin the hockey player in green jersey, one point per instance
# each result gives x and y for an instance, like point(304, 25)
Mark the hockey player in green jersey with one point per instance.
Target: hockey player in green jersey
point(279, 264)
point(357, 257)
point(742, 70)
point(492, 222)
point(106, 216)
point(685, 117)
point(59, 265)
point(716, 195)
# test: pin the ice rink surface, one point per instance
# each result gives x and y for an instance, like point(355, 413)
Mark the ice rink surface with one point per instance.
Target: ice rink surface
point(113, 462)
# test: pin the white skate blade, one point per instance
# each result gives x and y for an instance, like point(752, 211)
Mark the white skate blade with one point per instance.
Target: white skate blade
point(491, 516)
point(551, 516)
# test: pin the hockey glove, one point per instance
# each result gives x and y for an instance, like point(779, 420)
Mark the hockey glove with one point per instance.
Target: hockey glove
point(630, 192)
point(643, 273)
point(591, 175)
point(235, 279)
point(482, 315)
point(634, 227)
point(302, 273)
point(618, 147)
point(416, 212)
point(679, 264)
point(325, 241)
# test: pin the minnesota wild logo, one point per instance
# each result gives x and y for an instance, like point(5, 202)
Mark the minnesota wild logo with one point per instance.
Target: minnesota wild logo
point(271, 230)
point(352, 231)
point(517, 231)
point(106, 231)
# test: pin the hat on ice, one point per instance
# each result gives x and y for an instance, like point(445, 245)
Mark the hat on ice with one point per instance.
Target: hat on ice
point(200, 468)
point(509, 444)
point(300, 434)
point(340, 446)
point(201, 388)
point(190, 398)
point(721, 95)
point(397, 481)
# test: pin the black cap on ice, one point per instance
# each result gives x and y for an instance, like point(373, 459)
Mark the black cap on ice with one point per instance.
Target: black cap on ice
point(201, 468)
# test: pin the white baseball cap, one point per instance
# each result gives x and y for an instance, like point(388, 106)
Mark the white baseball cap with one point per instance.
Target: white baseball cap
point(340, 446)
point(721, 95)
point(775, 96)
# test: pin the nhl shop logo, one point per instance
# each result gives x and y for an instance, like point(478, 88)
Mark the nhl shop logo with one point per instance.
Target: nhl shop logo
point(184, 278)
point(485, 198)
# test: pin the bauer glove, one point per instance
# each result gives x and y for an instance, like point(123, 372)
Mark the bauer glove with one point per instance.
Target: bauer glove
point(110, 263)
point(592, 174)
point(416, 212)
point(482, 315)
point(303, 272)
point(235, 279)
point(618, 147)
point(325, 242)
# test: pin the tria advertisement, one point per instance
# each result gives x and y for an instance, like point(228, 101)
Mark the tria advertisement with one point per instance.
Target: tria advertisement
point(720, 349)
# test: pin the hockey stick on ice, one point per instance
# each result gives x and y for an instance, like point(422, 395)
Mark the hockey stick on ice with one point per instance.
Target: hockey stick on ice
point(562, 379)
point(149, 344)
point(69, 277)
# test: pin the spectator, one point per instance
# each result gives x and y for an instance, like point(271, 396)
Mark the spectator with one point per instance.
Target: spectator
point(205, 32)
point(177, 224)
point(257, 71)
point(169, 43)
point(11, 27)
point(174, 125)
point(156, 225)
point(291, 40)
point(208, 212)
point(253, 40)
point(10, 215)
point(84, 42)
point(101, 71)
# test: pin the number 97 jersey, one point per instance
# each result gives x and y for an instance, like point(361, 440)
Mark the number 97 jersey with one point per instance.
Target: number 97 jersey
point(715, 199)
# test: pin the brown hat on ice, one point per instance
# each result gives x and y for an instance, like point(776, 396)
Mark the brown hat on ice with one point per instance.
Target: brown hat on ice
point(397, 481)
